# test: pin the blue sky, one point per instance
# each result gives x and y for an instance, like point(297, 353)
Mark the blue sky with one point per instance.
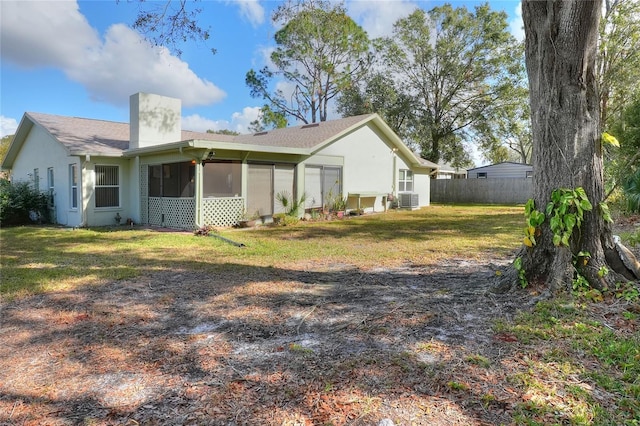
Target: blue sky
point(81, 58)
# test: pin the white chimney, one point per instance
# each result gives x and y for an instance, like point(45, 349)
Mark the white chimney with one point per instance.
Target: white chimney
point(153, 120)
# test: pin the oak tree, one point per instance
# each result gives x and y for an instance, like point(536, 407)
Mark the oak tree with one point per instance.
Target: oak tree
point(570, 235)
point(456, 64)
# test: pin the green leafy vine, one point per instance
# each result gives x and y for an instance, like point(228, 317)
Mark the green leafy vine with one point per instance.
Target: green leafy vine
point(566, 212)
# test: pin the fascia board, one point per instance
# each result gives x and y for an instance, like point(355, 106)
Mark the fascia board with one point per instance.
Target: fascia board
point(206, 144)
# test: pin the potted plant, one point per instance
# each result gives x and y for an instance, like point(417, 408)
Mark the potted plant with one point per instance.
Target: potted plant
point(339, 206)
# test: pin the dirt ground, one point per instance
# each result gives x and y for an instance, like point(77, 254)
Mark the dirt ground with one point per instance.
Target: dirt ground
point(241, 345)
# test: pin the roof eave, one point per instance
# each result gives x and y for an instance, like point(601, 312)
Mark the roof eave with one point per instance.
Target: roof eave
point(25, 126)
point(207, 144)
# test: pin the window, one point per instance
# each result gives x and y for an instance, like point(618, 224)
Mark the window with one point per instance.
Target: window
point(107, 186)
point(50, 184)
point(529, 174)
point(73, 184)
point(172, 180)
point(36, 180)
point(481, 175)
point(405, 182)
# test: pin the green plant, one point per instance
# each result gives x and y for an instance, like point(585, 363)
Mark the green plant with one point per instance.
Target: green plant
point(534, 219)
point(522, 275)
point(21, 203)
point(290, 205)
point(627, 291)
point(338, 203)
point(453, 385)
point(632, 191)
point(566, 212)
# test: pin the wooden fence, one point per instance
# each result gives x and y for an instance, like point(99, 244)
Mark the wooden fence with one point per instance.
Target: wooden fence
point(481, 191)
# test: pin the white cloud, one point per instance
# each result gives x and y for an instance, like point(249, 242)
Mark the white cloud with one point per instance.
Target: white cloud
point(239, 121)
point(55, 34)
point(8, 126)
point(251, 10)
point(377, 17)
point(516, 26)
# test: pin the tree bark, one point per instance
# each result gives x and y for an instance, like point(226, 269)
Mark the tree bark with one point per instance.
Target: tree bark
point(561, 47)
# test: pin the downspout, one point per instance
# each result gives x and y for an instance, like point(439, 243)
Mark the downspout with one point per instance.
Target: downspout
point(394, 173)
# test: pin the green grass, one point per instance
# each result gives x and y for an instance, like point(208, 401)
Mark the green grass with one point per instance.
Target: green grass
point(577, 354)
point(574, 365)
point(40, 259)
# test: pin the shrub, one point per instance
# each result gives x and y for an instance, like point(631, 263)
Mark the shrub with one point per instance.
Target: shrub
point(21, 204)
point(632, 192)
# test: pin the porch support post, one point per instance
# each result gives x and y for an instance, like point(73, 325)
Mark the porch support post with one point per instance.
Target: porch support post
point(199, 178)
point(300, 184)
point(245, 183)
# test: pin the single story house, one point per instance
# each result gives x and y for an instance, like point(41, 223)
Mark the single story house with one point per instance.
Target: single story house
point(447, 171)
point(505, 170)
point(153, 172)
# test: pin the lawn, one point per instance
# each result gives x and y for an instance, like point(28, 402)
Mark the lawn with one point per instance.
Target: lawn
point(354, 321)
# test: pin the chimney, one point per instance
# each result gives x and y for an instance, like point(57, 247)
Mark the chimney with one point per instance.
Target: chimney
point(153, 120)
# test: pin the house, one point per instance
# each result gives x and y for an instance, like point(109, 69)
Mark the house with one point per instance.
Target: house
point(153, 172)
point(505, 170)
point(447, 171)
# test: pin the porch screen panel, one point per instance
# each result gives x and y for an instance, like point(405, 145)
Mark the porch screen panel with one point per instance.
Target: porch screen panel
point(178, 180)
point(313, 186)
point(283, 182)
point(222, 179)
point(331, 184)
point(260, 189)
point(155, 181)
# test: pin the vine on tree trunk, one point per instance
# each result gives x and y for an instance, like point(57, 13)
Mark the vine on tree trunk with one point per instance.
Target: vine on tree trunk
point(565, 212)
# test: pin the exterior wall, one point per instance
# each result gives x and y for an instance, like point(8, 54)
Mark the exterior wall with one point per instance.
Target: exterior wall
point(370, 166)
point(505, 170)
point(368, 161)
point(481, 191)
point(40, 151)
point(105, 216)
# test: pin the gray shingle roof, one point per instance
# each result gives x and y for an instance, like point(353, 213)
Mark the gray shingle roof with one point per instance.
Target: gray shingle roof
point(302, 136)
point(100, 137)
point(83, 135)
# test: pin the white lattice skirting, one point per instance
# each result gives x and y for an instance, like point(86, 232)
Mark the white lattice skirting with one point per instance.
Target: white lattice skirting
point(222, 211)
point(176, 213)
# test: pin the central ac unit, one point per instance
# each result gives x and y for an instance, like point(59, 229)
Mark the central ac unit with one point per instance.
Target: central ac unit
point(408, 200)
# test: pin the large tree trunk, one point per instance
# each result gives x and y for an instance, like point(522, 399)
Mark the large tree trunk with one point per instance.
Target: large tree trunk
point(561, 48)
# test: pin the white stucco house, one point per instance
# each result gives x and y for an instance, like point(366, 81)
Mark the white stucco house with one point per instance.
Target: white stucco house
point(153, 172)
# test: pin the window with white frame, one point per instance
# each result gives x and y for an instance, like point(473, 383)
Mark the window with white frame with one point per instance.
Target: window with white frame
point(481, 175)
point(405, 181)
point(73, 184)
point(107, 186)
point(36, 180)
point(50, 185)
